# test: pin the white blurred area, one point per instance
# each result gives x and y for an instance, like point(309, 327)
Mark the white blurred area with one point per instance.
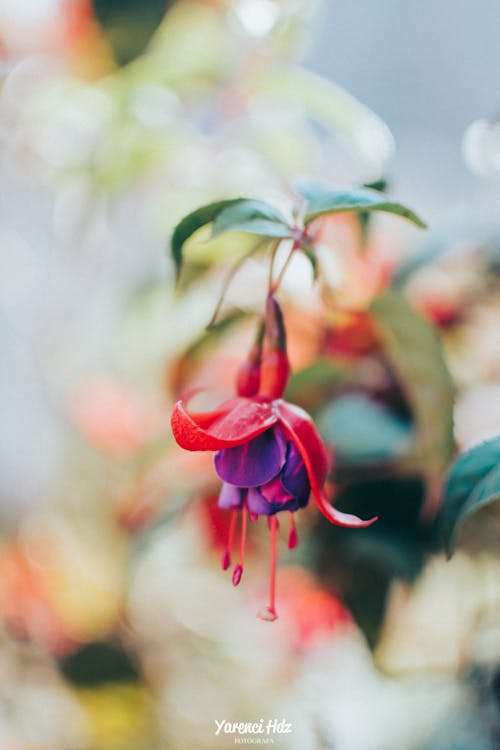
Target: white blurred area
point(21, 23)
point(429, 70)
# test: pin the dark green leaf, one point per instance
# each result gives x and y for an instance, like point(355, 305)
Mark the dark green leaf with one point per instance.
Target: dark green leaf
point(192, 222)
point(364, 217)
point(129, 24)
point(97, 663)
point(363, 431)
point(359, 567)
point(473, 482)
point(324, 201)
point(251, 216)
point(414, 352)
point(233, 215)
point(380, 185)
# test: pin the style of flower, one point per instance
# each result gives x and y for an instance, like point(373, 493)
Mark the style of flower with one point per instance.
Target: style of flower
point(269, 454)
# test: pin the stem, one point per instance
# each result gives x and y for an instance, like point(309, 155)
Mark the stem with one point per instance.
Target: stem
point(271, 266)
point(227, 282)
point(269, 613)
point(238, 569)
point(274, 287)
point(226, 555)
point(244, 519)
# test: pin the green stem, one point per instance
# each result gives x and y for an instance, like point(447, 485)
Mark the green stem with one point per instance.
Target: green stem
point(274, 287)
point(227, 282)
point(274, 250)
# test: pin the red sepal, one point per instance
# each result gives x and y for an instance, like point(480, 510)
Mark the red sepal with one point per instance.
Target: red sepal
point(302, 432)
point(235, 422)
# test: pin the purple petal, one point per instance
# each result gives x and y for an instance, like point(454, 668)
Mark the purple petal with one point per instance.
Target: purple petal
point(258, 504)
point(230, 497)
point(294, 475)
point(271, 498)
point(253, 463)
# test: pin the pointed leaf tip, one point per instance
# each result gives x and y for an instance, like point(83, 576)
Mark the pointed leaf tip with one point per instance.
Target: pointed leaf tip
point(323, 201)
point(473, 483)
point(254, 216)
point(191, 223)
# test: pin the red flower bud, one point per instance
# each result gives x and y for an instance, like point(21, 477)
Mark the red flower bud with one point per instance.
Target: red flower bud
point(275, 325)
point(274, 374)
point(248, 379)
point(275, 369)
point(248, 375)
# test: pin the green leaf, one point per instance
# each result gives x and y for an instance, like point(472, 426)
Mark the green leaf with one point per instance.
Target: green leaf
point(251, 216)
point(473, 482)
point(129, 25)
point(364, 217)
point(363, 431)
point(324, 201)
point(98, 663)
point(233, 215)
point(360, 567)
point(191, 223)
point(380, 185)
point(414, 351)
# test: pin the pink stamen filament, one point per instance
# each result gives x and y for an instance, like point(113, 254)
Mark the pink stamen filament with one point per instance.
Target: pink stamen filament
point(274, 556)
point(226, 555)
point(238, 569)
point(269, 613)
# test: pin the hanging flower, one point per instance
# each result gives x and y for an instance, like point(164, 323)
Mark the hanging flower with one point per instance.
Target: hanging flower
point(269, 456)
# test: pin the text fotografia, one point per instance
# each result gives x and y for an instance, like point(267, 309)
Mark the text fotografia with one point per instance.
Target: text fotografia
point(253, 733)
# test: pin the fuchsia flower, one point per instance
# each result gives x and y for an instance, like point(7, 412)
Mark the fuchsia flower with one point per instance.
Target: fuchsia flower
point(269, 456)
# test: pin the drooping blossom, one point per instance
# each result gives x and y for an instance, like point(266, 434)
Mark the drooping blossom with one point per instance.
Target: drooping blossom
point(269, 454)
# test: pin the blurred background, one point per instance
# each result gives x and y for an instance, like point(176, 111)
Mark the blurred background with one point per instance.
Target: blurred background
point(117, 628)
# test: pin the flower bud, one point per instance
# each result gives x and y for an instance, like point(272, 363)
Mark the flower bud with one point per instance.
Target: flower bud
point(275, 369)
point(275, 372)
point(248, 375)
point(248, 378)
point(275, 325)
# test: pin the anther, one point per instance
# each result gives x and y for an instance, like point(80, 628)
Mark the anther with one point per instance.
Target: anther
point(293, 538)
point(237, 573)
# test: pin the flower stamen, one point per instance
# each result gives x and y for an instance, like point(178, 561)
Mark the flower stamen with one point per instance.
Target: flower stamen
point(238, 569)
point(226, 555)
point(269, 613)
